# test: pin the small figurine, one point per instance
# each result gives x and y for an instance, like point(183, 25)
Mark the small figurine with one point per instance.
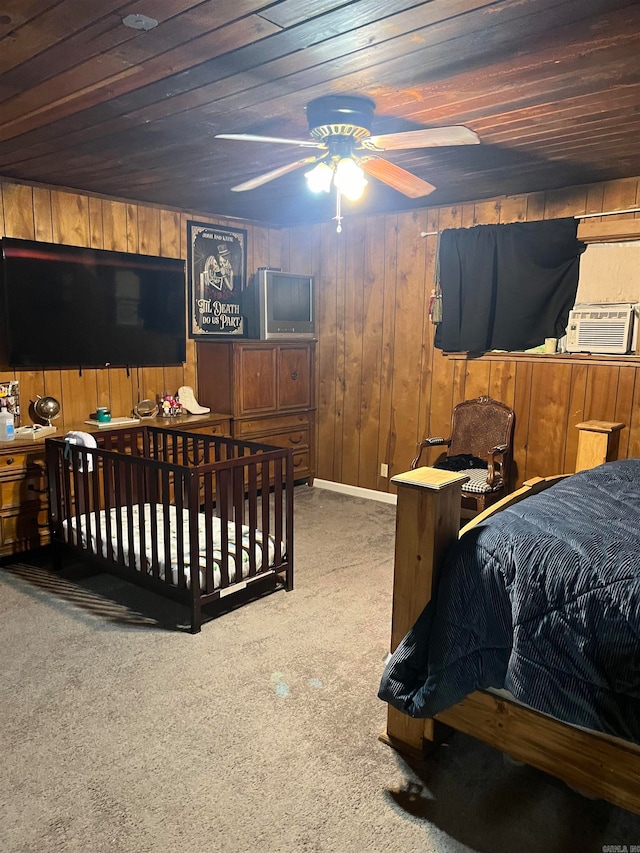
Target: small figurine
point(170, 406)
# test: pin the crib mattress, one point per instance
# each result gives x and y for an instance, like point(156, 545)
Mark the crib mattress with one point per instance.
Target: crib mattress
point(86, 537)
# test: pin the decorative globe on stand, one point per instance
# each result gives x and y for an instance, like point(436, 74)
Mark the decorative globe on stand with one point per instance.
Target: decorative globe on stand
point(46, 408)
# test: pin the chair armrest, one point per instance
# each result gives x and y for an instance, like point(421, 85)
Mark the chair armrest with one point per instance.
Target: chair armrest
point(436, 441)
point(496, 460)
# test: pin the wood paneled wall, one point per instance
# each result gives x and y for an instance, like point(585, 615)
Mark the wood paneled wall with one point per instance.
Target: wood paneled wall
point(381, 384)
point(53, 215)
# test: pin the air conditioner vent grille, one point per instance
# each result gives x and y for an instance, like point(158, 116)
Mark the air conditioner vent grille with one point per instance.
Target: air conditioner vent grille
point(600, 315)
point(600, 329)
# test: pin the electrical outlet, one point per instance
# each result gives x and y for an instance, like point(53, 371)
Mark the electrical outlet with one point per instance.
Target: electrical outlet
point(384, 470)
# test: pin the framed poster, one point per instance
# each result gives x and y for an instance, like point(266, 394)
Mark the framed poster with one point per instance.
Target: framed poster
point(217, 270)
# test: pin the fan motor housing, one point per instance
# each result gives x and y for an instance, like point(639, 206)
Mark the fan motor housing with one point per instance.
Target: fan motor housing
point(340, 115)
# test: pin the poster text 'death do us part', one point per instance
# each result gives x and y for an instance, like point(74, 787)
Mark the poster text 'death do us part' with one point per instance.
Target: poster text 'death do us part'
point(217, 268)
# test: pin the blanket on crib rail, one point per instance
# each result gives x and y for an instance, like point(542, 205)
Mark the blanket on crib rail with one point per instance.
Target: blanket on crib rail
point(178, 528)
point(542, 599)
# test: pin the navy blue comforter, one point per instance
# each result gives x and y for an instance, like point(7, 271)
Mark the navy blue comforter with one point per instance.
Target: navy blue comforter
point(542, 599)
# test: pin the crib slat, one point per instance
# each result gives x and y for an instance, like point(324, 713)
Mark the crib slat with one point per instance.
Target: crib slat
point(224, 481)
point(166, 523)
point(289, 511)
point(238, 513)
point(142, 521)
point(127, 471)
point(277, 497)
point(178, 488)
point(95, 483)
point(108, 494)
point(146, 444)
point(208, 493)
point(117, 471)
point(266, 512)
point(73, 495)
point(193, 485)
point(153, 503)
point(252, 498)
point(83, 488)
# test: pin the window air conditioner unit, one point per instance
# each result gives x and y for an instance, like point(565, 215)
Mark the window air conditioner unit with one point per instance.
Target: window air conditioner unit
point(605, 328)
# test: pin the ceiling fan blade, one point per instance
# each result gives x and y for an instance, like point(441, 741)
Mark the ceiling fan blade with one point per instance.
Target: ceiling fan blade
point(250, 137)
point(434, 137)
point(405, 182)
point(258, 181)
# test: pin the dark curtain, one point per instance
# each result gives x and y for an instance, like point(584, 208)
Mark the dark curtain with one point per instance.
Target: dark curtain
point(507, 287)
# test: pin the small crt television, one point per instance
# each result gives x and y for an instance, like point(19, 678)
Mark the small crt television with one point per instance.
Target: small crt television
point(278, 304)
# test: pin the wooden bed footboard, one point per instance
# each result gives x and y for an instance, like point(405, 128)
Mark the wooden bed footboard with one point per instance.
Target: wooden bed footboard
point(147, 499)
point(427, 522)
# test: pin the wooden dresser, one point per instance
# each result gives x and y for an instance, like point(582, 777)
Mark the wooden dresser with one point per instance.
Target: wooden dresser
point(23, 493)
point(24, 510)
point(267, 388)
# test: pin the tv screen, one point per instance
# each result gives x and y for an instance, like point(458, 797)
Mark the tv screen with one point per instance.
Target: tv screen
point(290, 297)
point(66, 306)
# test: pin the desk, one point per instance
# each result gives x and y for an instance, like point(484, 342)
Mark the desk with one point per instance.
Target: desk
point(24, 509)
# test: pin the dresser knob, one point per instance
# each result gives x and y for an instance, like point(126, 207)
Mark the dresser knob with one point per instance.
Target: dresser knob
point(10, 460)
point(294, 375)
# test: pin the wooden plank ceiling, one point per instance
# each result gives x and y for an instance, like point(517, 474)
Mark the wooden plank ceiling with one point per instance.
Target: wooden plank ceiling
point(552, 88)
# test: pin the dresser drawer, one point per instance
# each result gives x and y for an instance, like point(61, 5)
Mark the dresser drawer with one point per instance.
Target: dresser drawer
point(221, 429)
point(14, 491)
point(24, 529)
point(295, 438)
point(267, 426)
point(15, 462)
point(300, 463)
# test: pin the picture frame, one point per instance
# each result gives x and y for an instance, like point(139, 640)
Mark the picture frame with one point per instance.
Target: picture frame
point(217, 275)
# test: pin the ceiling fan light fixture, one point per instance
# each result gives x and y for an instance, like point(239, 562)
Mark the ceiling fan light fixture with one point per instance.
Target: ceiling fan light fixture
point(349, 179)
point(319, 178)
point(340, 126)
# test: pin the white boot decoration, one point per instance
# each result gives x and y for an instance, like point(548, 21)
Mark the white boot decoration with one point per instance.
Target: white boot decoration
point(189, 402)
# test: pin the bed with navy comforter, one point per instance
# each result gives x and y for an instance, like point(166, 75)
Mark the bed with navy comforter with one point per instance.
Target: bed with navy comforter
point(541, 599)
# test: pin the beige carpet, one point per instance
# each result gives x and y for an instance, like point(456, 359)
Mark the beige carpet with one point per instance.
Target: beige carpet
point(120, 733)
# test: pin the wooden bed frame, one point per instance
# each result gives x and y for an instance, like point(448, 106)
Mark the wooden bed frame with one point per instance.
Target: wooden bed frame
point(428, 514)
point(248, 487)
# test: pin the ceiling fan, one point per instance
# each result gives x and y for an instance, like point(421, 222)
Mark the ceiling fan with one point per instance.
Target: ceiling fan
point(340, 129)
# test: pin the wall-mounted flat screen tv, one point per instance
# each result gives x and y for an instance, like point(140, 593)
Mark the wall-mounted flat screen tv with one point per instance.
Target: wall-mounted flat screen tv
point(65, 306)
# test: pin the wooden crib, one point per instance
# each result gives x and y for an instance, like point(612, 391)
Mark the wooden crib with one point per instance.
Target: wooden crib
point(148, 498)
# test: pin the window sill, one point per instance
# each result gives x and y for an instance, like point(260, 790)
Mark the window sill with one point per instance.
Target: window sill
point(553, 358)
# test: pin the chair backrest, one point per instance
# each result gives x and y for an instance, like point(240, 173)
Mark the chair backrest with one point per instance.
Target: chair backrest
point(479, 425)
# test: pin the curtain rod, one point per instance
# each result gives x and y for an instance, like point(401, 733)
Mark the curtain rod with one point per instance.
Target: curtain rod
point(607, 213)
point(578, 216)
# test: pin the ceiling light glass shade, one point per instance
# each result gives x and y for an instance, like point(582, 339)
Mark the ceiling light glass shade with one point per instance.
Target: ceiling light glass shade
point(350, 179)
point(319, 178)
